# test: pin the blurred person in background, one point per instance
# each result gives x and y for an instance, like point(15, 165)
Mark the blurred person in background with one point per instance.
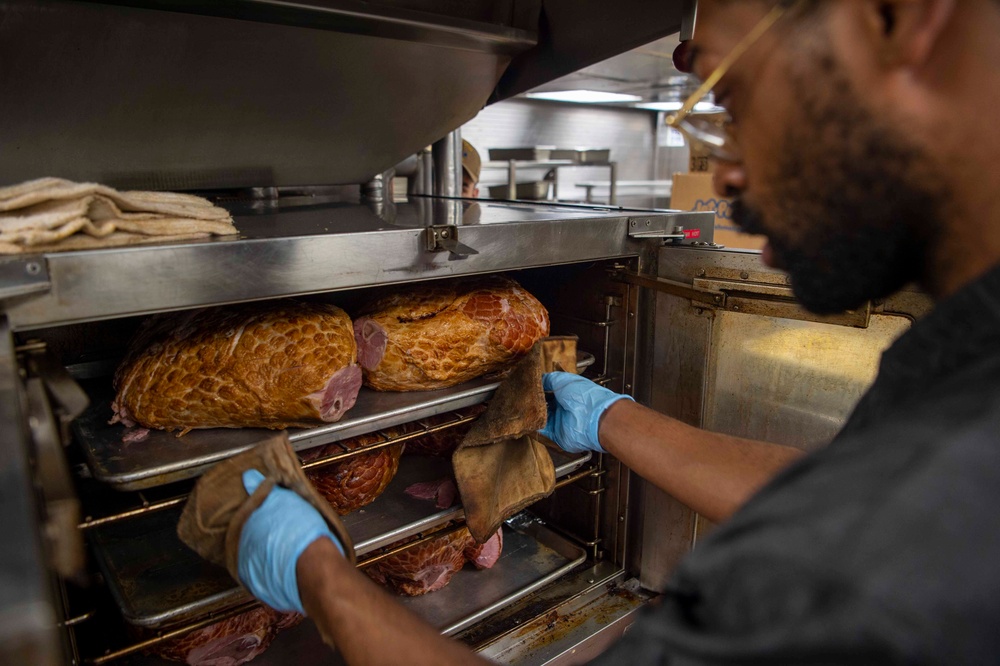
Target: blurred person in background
point(472, 165)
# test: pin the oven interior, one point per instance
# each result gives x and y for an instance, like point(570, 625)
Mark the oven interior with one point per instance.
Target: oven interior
point(141, 587)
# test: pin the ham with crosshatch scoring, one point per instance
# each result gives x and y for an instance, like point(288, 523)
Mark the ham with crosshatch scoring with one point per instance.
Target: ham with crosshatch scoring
point(274, 365)
point(438, 335)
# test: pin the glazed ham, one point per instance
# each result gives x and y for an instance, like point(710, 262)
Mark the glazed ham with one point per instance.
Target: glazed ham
point(430, 566)
point(230, 642)
point(266, 366)
point(357, 481)
point(442, 492)
point(434, 336)
point(443, 442)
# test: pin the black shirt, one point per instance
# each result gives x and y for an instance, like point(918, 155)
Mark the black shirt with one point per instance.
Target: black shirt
point(883, 547)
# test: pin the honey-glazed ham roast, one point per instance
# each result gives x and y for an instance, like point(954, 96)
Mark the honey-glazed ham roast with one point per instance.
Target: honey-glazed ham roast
point(355, 482)
point(274, 366)
point(431, 565)
point(231, 642)
point(434, 336)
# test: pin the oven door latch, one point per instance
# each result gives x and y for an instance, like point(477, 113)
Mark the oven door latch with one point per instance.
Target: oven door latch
point(444, 237)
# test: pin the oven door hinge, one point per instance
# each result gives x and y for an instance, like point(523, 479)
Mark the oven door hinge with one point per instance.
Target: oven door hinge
point(444, 237)
point(709, 297)
point(23, 276)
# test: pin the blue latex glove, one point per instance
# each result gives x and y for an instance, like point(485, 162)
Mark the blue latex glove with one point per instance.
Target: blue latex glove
point(575, 414)
point(273, 538)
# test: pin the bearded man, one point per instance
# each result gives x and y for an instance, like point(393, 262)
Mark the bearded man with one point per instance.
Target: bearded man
point(862, 144)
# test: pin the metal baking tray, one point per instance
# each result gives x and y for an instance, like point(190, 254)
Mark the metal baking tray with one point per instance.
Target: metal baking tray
point(164, 458)
point(583, 155)
point(532, 557)
point(547, 153)
point(157, 581)
point(534, 190)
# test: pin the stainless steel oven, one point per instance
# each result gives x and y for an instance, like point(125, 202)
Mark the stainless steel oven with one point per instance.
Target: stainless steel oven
point(91, 569)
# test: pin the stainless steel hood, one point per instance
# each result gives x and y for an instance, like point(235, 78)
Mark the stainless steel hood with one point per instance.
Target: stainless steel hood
point(574, 34)
point(180, 94)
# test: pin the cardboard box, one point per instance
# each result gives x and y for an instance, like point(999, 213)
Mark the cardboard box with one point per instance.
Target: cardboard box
point(694, 191)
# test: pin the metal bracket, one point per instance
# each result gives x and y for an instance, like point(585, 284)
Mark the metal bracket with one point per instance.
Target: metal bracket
point(699, 295)
point(19, 277)
point(66, 548)
point(445, 237)
point(676, 227)
point(68, 400)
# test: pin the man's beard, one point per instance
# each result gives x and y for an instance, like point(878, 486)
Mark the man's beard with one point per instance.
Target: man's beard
point(855, 204)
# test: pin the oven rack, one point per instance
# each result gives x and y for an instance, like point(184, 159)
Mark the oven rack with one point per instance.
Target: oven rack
point(534, 554)
point(157, 581)
point(117, 506)
point(162, 458)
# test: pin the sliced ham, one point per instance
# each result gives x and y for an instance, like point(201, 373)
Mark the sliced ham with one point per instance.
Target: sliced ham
point(133, 435)
point(442, 492)
point(231, 642)
point(430, 566)
point(490, 552)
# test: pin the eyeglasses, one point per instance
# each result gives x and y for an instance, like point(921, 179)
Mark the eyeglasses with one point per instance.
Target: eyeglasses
point(713, 132)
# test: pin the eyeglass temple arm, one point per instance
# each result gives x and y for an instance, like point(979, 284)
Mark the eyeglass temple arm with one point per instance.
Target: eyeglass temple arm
point(720, 71)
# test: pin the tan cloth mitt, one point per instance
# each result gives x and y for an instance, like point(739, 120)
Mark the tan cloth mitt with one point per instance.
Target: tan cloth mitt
point(219, 505)
point(502, 466)
point(55, 215)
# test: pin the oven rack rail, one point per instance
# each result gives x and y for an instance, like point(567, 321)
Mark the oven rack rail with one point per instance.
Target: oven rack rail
point(140, 504)
point(131, 504)
point(159, 459)
point(567, 545)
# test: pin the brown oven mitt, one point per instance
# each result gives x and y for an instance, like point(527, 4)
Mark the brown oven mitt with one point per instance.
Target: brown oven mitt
point(219, 505)
point(502, 466)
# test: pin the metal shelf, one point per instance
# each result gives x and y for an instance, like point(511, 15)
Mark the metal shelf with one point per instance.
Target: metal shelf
point(164, 458)
point(157, 581)
point(293, 250)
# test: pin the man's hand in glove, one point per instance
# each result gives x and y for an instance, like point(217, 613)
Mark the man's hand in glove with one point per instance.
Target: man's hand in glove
point(273, 538)
point(575, 413)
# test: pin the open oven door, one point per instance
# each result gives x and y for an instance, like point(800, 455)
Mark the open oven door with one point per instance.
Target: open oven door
point(38, 507)
point(731, 351)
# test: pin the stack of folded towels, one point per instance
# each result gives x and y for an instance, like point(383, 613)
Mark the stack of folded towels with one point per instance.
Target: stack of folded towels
point(56, 215)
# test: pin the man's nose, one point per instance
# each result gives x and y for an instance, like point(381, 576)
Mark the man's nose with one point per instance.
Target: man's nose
point(729, 179)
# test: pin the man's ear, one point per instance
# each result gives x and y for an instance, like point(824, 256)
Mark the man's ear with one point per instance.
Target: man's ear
point(907, 30)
